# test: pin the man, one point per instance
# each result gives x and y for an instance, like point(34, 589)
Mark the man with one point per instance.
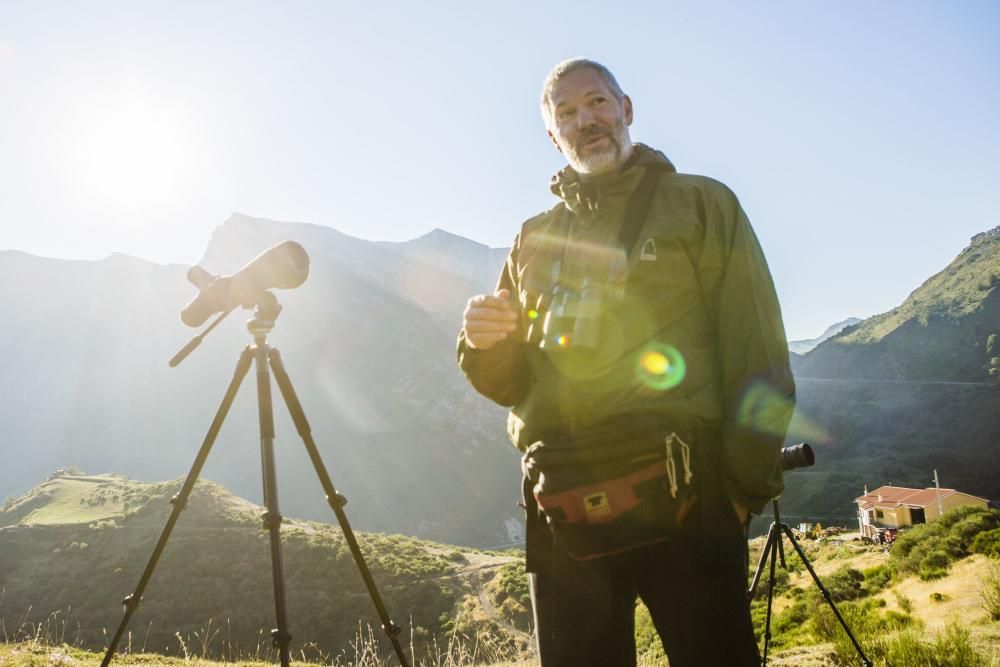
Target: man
point(638, 310)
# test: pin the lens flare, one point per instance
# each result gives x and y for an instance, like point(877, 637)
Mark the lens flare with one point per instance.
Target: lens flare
point(766, 410)
point(532, 314)
point(804, 428)
point(655, 363)
point(563, 341)
point(661, 367)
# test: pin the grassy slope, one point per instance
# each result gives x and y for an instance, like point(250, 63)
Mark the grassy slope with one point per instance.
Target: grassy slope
point(961, 604)
point(215, 569)
point(941, 332)
point(960, 588)
point(955, 292)
point(483, 620)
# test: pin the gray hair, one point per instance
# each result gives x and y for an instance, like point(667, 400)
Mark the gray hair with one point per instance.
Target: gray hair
point(564, 68)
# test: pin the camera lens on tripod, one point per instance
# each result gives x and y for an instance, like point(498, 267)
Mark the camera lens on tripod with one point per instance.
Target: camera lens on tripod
point(797, 456)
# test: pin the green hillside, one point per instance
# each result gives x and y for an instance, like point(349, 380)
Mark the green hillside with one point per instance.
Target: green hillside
point(933, 599)
point(958, 291)
point(948, 329)
point(75, 545)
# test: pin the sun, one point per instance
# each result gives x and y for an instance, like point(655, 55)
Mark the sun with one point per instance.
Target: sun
point(131, 152)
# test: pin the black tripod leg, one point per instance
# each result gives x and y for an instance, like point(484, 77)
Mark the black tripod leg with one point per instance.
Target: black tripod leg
point(775, 548)
point(826, 595)
point(767, 555)
point(131, 602)
point(272, 515)
point(761, 561)
point(335, 500)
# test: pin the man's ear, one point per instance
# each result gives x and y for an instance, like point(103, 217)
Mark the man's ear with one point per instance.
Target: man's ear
point(554, 142)
point(627, 103)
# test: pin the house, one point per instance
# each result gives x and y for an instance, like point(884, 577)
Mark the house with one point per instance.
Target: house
point(897, 506)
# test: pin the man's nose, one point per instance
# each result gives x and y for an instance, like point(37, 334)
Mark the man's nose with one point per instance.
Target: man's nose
point(585, 117)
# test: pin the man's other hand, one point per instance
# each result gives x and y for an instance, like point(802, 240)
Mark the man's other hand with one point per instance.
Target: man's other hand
point(488, 319)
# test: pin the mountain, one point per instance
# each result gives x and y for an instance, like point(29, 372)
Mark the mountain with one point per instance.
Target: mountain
point(806, 345)
point(368, 341)
point(453, 253)
point(941, 332)
point(74, 545)
point(897, 396)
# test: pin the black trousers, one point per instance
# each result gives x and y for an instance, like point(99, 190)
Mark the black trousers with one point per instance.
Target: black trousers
point(694, 587)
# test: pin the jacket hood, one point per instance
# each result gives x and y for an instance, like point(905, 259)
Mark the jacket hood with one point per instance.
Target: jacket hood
point(588, 195)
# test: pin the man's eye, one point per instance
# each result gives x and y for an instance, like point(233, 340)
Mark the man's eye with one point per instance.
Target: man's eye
point(565, 113)
point(598, 101)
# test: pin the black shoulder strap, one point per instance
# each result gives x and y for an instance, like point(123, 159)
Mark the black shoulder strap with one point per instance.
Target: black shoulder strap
point(638, 207)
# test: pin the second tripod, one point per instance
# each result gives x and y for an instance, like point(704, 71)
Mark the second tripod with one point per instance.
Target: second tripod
point(266, 360)
point(772, 553)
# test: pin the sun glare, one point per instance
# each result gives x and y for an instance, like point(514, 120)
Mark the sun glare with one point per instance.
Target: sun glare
point(131, 152)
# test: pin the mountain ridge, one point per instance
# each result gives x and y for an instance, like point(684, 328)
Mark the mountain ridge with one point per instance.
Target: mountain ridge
point(941, 331)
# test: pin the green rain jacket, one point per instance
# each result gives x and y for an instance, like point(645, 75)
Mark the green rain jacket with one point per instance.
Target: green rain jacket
point(688, 325)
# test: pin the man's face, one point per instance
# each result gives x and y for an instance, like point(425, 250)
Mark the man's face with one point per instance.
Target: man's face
point(589, 125)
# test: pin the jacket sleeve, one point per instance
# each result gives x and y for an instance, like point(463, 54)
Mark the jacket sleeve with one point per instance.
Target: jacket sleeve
point(498, 373)
point(757, 385)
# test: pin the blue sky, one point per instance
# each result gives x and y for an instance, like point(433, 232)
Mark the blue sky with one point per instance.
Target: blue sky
point(862, 138)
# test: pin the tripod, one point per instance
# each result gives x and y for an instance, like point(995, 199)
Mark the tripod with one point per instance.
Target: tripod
point(263, 357)
point(774, 551)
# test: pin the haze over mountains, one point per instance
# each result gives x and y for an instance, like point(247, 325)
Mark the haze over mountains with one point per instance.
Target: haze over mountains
point(369, 344)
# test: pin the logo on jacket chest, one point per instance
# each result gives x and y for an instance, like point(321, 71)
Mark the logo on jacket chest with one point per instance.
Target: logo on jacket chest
point(648, 253)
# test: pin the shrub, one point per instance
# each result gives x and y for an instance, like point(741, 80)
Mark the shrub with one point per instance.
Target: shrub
point(893, 639)
point(864, 620)
point(862, 617)
point(990, 591)
point(975, 524)
point(790, 627)
point(928, 549)
point(876, 579)
point(934, 565)
point(781, 578)
point(987, 543)
point(845, 584)
point(951, 649)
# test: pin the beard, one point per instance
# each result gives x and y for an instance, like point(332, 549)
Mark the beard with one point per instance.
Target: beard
point(599, 160)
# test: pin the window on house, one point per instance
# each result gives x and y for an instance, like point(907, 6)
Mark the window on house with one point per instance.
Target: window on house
point(879, 514)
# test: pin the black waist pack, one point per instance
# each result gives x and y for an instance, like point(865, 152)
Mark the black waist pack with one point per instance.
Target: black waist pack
point(602, 498)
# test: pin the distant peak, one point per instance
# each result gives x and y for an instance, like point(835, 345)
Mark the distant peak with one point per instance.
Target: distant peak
point(438, 233)
point(442, 237)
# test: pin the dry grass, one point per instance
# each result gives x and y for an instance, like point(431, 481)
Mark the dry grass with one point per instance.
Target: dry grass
point(959, 602)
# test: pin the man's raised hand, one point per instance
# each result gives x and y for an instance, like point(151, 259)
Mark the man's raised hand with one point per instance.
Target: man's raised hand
point(488, 319)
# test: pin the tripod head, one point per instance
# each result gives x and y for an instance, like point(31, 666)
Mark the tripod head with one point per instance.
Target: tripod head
point(285, 266)
point(265, 315)
point(266, 311)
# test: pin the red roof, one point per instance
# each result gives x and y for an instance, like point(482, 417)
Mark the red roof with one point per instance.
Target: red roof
point(896, 496)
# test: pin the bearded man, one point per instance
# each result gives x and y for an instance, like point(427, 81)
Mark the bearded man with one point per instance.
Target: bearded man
point(636, 335)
